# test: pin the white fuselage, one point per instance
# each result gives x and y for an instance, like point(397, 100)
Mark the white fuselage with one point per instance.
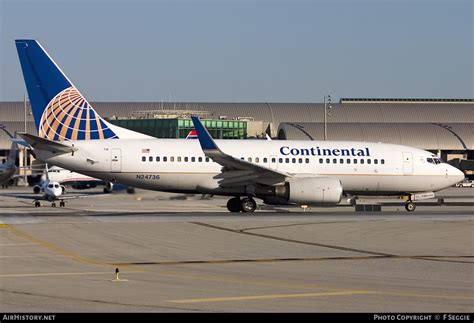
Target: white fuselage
point(62, 175)
point(177, 165)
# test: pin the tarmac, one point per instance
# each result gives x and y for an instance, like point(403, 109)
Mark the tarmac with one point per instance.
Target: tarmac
point(186, 254)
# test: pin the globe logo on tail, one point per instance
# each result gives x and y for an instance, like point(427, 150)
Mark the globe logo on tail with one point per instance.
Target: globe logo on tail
point(69, 116)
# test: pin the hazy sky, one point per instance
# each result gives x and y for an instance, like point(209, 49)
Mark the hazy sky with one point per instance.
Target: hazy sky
point(246, 51)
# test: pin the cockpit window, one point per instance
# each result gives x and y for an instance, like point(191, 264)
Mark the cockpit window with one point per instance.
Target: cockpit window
point(56, 185)
point(50, 185)
point(435, 160)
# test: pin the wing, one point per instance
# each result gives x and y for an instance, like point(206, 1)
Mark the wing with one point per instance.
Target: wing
point(41, 197)
point(25, 196)
point(80, 196)
point(235, 171)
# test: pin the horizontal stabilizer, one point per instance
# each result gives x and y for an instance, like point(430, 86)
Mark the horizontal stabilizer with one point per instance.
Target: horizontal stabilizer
point(38, 143)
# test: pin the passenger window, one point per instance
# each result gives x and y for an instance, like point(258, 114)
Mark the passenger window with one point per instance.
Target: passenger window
point(157, 158)
point(171, 159)
point(348, 161)
point(280, 160)
point(355, 161)
point(328, 160)
point(382, 161)
point(200, 159)
point(150, 158)
point(165, 159)
point(242, 158)
point(287, 160)
point(369, 161)
point(193, 159)
point(207, 159)
point(186, 159)
point(334, 160)
point(265, 160)
point(376, 161)
point(179, 159)
point(257, 159)
point(250, 159)
point(143, 158)
point(361, 161)
point(341, 161)
point(320, 160)
point(300, 160)
point(274, 160)
point(307, 160)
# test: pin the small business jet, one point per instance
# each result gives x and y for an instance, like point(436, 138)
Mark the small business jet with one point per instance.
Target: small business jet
point(73, 136)
point(50, 191)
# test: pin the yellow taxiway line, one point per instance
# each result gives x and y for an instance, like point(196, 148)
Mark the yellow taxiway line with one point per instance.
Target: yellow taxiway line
point(272, 296)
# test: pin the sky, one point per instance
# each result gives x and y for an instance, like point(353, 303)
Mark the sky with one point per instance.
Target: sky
point(246, 50)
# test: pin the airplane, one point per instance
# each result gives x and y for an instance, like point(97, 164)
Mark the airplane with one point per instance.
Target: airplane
point(75, 180)
point(79, 181)
point(73, 136)
point(8, 168)
point(51, 191)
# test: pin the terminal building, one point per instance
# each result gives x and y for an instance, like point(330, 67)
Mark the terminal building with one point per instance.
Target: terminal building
point(442, 126)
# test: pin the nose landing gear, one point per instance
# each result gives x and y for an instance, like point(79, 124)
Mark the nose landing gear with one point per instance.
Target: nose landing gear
point(245, 205)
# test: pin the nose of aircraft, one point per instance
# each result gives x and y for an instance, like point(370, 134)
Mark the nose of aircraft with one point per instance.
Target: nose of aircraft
point(455, 174)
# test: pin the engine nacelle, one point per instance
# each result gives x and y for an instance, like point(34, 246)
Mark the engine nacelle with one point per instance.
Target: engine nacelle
point(109, 187)
point(36, 189)
point(313, 191)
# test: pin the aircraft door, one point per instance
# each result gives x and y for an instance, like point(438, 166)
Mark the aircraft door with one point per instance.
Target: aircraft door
point(116, 160)
point(407, 163)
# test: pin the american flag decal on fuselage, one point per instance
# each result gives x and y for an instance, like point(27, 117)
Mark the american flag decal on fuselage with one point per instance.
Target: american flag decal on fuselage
point(69, 116)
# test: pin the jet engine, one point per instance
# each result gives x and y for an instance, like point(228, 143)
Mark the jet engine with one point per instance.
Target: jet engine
point(36, 189)
point(109, 187)
point(312, 190)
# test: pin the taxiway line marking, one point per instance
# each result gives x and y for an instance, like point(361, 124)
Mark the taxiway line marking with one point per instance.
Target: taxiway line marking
point(52, 247)
point(272, 296)
point(56, 274)
point(17, 244)
point(425, 295)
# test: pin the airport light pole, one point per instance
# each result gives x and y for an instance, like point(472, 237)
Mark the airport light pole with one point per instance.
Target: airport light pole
point(25, 151)
point(326, 114)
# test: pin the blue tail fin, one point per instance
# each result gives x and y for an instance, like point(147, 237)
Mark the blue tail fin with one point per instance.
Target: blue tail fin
point(59, 109)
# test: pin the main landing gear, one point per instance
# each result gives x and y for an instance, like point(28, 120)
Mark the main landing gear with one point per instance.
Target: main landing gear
point(246, 205)
point(53, 204)
point(410, 206)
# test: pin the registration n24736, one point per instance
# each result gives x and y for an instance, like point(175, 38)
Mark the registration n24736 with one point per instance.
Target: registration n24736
point(148, 177)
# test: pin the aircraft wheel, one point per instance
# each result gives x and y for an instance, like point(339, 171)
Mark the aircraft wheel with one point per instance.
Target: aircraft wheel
point(62, 204)
point(53, 204)
point(233, 205)
point(410, 206)
point(248, 205)
point(37, 204)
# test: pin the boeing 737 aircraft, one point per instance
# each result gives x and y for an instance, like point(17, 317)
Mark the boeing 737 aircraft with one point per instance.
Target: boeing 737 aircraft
point(73, 136)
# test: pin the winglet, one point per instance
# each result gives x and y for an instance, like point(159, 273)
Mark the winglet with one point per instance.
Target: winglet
point(205, 139)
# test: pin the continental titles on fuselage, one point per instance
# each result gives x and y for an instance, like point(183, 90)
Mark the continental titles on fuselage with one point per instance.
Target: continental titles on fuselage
point(316, 151)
